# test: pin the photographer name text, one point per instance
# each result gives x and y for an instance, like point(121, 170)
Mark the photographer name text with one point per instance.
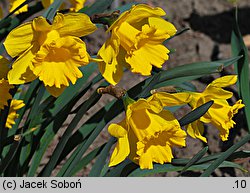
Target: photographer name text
point(12, 184)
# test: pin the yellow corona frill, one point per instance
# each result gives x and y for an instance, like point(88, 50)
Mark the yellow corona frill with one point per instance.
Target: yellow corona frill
point(220, 114)
point(14, 106)
point(135, 43)
point(51, 53)
point(148, 132)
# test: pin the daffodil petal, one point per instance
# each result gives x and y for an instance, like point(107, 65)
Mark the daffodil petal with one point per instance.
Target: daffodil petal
point(118, 130)
point(141, 11)
point(174, 99)
point(120, 152)
point(54, 91)
point(110, 69)
point(76, 24)
point(195, 130)
point(19, 40)
point(164, 28)
point(224, 81)
point(14, 106)
point(20, 72)
point(141, 60)
point(217, 93)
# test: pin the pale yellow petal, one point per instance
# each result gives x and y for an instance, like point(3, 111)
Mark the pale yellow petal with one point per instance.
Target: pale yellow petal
point(110, 69)
point(76, 24)
point(120, 152)
point(20, 72)
point(138, 13)
point(164, 28)
point(118, 130)
point(214, 92)
point(141, 60)
point(14, 106)
point(15, 3)
point(19, 40)
point(224, 81)
point(175, 99)
point(41, 24)
point(196, 130)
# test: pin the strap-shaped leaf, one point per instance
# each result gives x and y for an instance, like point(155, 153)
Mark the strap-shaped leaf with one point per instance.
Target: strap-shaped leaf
point(224, 156)
point(171, 168)
point(241, 66)
point(101, 160)
point(194, 159)
point(195, 114)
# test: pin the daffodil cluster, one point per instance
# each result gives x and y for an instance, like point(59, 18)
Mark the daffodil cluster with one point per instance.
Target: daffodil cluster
point(54, 52)
point(148, 131)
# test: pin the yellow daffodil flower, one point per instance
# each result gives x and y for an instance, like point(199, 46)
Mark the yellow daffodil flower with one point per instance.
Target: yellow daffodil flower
point(14, 106)
point(220, 114)
point(4, 92)
point(51, 53)
point(15, 3)
point(136, 43)
point(148, 132)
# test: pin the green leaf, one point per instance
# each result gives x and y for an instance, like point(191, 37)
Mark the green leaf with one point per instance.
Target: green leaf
point(171, 168)
point(224, 156)
point(195, 159)
point(58, 113)
point(101, 160)
point(50, 13)
point(103, 117)
point(67, 134)
point(10, 155)
point(85, 160)
point(241, 67)
point(182, 73)
point(117, 170)
point(97, 7)
point(198, 68)
point(195, 114)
